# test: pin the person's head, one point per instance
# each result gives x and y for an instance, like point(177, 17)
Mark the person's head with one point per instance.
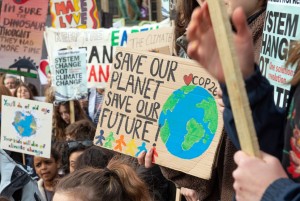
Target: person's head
point(117, 182)
point(62, 117)
point(80, 130)
point(33, 89)
point(62, 111)
point(10, 81)
point(75, 149)
point(3, 91)
point(23, 91)
point(94, 156)
point(47, 168)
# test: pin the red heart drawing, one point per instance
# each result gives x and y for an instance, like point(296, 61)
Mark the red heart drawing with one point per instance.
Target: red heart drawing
point(20, 1)
point(188, 78)
point(44, 67)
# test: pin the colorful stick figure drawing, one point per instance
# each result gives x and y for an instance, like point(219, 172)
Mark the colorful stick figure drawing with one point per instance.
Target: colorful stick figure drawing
point(100, 138)
point(131, 147)
point(120, 142)
point(110, 139)
point(155, 154)
point(141, 149)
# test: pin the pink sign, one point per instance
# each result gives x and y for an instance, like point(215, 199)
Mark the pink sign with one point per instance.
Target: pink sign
point(74, 14)
point(22, 24)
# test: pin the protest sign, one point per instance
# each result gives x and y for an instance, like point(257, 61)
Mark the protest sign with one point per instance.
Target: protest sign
point(99, 43)
point(69, 74)
point(74, 14)
point(22, 24)
point(161, 102)
point(152, 40)
point(26, 126)
point(281, 29)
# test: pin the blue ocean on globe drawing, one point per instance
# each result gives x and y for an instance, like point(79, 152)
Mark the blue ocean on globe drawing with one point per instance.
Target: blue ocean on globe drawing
point(188, 122)
point(25, 124)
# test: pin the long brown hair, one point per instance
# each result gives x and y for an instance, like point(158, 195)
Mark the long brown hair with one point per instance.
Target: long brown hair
point(117, 182)
point(294, 58)
point(3, 91)
point(60, 124)
point(184, 12)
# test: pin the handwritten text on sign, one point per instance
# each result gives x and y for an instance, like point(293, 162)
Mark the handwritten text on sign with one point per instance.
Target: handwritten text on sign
point(165, 103)
point(26, 126)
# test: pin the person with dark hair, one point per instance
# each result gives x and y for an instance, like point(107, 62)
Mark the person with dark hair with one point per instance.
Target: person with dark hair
point(62, 118)
point(71, 152)
point(80, 130)
point(33, 89)
point(95, 157)
point(219, 187)
point(47, 170)
point(117, 182)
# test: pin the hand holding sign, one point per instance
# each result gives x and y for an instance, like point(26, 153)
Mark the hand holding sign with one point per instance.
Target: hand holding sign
point(203, 46)
point(212, 32)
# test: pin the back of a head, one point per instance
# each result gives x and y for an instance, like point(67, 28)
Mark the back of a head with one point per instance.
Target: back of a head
point(117, 182)
point(94, 156)
point(83, 129)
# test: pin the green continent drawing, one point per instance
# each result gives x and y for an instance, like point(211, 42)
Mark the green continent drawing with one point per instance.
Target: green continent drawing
point(165, 132)
point(194, 135)
point(210, 113)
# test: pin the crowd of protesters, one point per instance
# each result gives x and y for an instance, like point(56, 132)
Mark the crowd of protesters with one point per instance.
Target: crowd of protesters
point(79, 170)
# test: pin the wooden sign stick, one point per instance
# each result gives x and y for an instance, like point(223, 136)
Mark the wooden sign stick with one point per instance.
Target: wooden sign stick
point(233, 77)
point(72, 112)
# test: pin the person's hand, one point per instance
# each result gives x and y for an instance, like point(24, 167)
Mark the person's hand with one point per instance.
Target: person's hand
point(189, 194)
point(202, 45)
point(146, 158)
point(253, 175)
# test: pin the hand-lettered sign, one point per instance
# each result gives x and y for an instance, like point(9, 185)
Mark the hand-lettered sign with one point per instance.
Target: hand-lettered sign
point(281, 30)
point(26, 126)
point(21, 36)
point(74, 14)
point(69, 74)
point(165, 103)
point(152, 40)
point(99, 43)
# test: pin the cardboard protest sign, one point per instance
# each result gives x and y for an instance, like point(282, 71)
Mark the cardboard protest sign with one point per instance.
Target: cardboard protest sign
point(281, 29)
point(26, 126)
point(74, 14)
point(164, 102)
point(69, 74)
point(22, 24)
point(152, 40)
point(99, 43)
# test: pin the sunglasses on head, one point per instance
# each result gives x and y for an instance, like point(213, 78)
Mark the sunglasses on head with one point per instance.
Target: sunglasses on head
point(86, 143)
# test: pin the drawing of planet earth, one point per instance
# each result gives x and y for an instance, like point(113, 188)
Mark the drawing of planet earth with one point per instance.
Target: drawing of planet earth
point(25, 124)
point(188, 122)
